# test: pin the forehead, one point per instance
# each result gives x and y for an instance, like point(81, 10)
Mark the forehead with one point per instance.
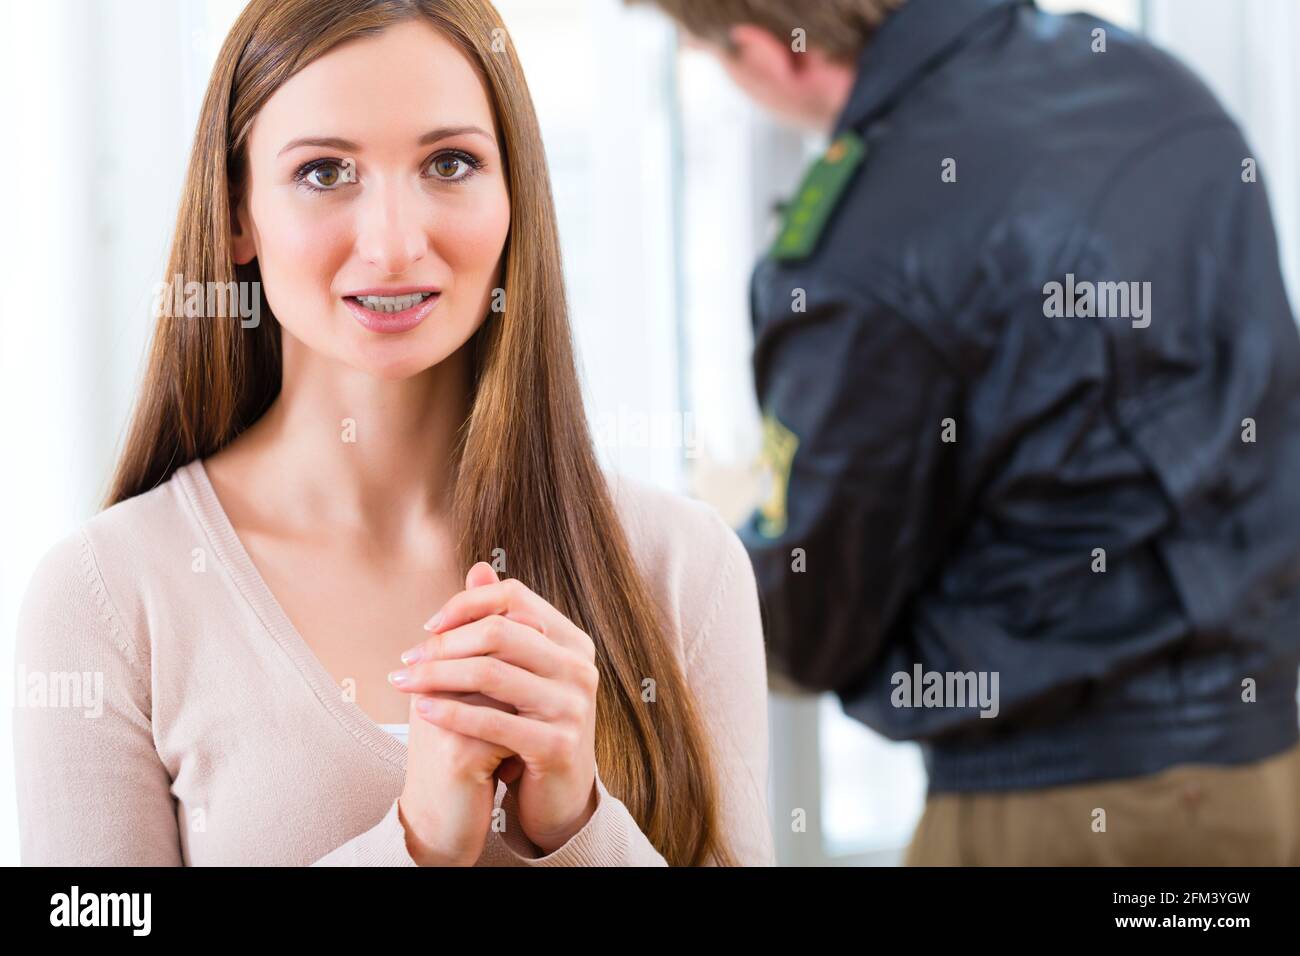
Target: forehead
point(379, 90)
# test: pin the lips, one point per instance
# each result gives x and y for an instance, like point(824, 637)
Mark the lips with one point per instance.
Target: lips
point(392, 310)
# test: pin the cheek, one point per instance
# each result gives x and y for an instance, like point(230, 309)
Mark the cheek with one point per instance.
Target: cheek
point(472, 244)
point(299, 247)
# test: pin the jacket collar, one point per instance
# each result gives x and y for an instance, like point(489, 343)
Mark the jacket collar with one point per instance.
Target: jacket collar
point(911, 41)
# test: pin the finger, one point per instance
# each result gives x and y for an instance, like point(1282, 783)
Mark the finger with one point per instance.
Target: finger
point(497, 636)
point(472, 698)
point(510, 598)
point(540, 745)
point(547, 699)
point(437, 623)
point(481, 574)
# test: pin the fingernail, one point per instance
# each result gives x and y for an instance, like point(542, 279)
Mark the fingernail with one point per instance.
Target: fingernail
point(432, 622)
point(425, 706)
point(413, 655)
point(399, 677)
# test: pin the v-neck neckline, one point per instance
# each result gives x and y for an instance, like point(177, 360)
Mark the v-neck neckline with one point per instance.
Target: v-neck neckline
point(231, 552)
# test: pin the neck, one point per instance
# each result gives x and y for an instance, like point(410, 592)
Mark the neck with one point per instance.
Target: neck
point(837, 82)
point(347, 452)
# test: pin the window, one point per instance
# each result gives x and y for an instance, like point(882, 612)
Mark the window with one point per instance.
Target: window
point(600, 79)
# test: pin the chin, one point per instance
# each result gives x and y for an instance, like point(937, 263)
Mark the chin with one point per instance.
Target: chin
point(402, 364)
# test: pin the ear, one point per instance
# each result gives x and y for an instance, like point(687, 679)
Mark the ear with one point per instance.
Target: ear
point(243, 248)
point(763, 52)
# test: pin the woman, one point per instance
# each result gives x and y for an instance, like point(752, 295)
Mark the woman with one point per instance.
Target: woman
point(297, 494)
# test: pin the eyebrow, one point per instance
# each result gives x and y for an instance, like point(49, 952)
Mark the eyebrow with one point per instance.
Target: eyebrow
point(433, 136)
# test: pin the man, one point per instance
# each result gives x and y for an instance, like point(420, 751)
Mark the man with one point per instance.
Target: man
point(1031, 392)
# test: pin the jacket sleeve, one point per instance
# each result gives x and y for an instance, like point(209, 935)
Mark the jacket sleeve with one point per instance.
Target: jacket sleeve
point(91, 789)
point(860, 427)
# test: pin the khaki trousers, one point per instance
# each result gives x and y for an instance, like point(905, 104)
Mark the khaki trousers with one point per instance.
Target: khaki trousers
point(1188, 815)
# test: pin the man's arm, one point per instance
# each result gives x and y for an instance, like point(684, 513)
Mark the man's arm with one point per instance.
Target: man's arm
point(860, 439)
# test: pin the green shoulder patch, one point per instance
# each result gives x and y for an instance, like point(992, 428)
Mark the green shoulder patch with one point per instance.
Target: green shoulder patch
point(822, 186)
point(779, 446)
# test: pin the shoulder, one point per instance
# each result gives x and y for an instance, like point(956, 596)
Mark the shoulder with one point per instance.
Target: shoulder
point(67, 616)
point(64, 574)
point(693, 562)
point(133, 530)
point(96, 578)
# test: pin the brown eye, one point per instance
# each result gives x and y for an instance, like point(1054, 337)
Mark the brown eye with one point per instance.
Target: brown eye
point(452, 166)
point(325, 175)
point(446, 167)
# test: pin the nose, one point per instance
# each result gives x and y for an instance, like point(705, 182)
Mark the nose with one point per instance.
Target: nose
point(391, 236)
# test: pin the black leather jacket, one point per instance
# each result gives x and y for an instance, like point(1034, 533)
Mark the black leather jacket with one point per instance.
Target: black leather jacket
point(927, 317)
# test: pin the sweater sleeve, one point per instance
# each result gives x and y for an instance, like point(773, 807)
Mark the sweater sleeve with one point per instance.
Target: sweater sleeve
point(726, 665)
point(610, 837)
point(384, 844)
point(726, 669)
point(91, 789)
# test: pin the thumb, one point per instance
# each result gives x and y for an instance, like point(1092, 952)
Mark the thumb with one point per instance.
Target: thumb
point(481, 574)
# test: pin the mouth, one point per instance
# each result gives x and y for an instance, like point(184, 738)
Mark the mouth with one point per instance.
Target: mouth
point(396, 310)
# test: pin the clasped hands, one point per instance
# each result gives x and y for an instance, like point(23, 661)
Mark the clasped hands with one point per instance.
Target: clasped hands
point(500, 640)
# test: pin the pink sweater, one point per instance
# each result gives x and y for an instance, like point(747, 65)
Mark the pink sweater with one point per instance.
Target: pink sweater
point(167, 715)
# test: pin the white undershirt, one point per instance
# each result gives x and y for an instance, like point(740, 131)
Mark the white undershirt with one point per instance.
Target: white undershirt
point(397, 730)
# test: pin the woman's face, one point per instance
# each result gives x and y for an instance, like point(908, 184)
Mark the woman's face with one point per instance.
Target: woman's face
point(375, 171)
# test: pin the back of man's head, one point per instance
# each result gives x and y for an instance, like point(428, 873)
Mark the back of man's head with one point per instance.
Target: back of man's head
point(795, 58)
point(839, 28)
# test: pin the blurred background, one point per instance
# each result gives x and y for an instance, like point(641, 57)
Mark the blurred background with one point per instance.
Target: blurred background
point(665, 181)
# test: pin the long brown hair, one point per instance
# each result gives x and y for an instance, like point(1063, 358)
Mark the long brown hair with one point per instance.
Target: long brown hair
point(527, 478)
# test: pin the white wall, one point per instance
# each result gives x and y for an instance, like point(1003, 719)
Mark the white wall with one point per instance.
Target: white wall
point(1247, 51)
